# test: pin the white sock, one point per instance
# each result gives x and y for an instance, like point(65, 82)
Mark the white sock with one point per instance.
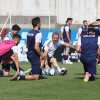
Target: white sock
point(59, 70)
point(21, 72)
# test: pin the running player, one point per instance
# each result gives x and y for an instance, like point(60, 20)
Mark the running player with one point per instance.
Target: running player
point(66, 37)
point(88, 45)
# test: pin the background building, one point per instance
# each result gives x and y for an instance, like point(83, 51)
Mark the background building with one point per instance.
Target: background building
point(53, 11)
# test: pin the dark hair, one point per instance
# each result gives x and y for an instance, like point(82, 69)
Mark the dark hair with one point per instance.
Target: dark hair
point(91, 30)
point(84, 21)
point(16, 27)
point(91, 26)
point(35, 21)
point(97, 19)
point(69, 19)
point(55, 33)
point(16, 36)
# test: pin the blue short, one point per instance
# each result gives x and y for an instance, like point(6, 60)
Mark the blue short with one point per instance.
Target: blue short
point(35, 62)
point(66, 40)
point(90, 64)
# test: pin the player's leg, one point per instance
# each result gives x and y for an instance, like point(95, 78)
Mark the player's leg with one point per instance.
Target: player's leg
point(92, 69)
point(85, 66)
point(21, 71)
point(55, 64)
point(35, 63)
point(5, 69)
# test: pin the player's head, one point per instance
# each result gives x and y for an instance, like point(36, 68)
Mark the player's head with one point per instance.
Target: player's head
point(85, 23)
point(91, 30)
point(98, 21)
point(36, 22)
point(16, 38)
point(91, 26)
point(69, 21)
point(15, 29)
point(55, 37)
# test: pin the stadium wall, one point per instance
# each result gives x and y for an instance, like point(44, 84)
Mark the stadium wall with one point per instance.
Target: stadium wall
point(78, 9)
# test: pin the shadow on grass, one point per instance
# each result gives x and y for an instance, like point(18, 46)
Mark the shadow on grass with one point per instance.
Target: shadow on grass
point(7, 76)
point(79, 74)
point(81, 78)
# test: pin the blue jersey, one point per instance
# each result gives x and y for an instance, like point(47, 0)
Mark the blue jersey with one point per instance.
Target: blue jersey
point(89, 45)
point(84, 30)
point(97, 29)
point(31, 41)
point(64, 32)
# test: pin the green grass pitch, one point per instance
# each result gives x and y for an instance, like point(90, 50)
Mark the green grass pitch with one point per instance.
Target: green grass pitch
point(69, 87)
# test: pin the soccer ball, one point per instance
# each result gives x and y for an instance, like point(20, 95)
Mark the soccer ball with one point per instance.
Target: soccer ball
point(63, 68)
point(52, 72)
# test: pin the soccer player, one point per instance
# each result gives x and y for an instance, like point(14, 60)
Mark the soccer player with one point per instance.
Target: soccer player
point(49, 48)
point(66, 37)
point(84, 29)
point(9, 36)
point(96, 26)
point(8, 53)
point(34, 38)
point(88, 45)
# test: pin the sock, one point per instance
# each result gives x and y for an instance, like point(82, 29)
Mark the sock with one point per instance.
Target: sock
point(65, 57)
point(40, 71)
point(1, 72)
point(59, 70)
point(21, 78)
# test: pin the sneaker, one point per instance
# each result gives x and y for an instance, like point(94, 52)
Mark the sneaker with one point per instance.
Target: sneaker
point(15, 77)
point(63, 61)
point(78, 61)
point(86, 78)
point(63, 72)
point(69, 62)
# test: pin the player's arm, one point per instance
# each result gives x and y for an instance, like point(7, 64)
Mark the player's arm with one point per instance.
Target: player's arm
point(61, 33)
point(67, 33)
point(38, 39)
point(14, 57)
point(46, 48)
point(79, 32)
point(66, 44)
point(99, 46)
point(78, 45)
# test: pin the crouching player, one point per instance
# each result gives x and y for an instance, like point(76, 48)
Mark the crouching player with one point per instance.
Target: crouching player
point(89, 45)
point(34, 38)
point(49, 48)
point(8, 53)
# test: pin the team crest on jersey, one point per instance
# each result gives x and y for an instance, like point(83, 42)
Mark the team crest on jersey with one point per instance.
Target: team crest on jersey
point(30, 34)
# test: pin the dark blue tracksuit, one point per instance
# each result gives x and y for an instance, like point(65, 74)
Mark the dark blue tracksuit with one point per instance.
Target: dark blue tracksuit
point(32, 55)
point(89, 49)
point(84, 30)
point(65, 36)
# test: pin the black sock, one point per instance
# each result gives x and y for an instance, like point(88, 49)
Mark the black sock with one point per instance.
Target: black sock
point(1, 72)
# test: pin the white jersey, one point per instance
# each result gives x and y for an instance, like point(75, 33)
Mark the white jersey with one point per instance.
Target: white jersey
point(51, 47)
